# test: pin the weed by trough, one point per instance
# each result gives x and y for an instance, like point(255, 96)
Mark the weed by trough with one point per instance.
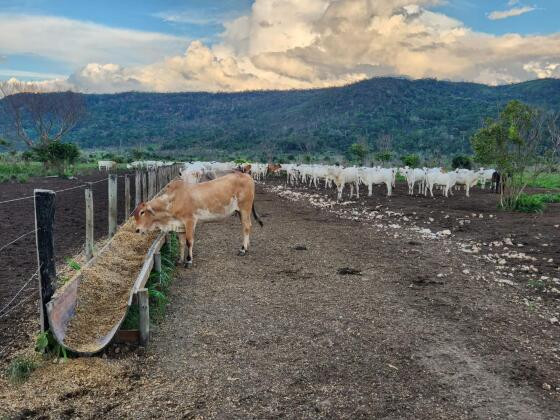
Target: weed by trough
point(157, 285)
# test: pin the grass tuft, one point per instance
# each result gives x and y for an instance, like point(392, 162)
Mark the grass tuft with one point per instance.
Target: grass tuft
point(20, 369)
point(535, 203)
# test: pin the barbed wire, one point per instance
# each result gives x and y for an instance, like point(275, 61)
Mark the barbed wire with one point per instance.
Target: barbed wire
point(21, 302)
point(17, 239)
point(57, 191)
point(16, 295)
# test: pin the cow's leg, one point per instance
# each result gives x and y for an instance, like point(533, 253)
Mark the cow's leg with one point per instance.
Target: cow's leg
point(339, 188)
point(189, 234)
point(370, 190)
point(357, 190)
point(351, 190)
point(467, 188)
point(182, 239)
point(246, 226)
point(389, 189)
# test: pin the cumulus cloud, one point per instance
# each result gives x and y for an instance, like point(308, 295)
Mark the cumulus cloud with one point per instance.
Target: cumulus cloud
point(515, 11)
point(286, 44)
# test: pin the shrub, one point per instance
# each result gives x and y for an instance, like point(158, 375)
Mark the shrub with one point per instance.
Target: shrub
point(57, 154)
point(412, 161)
point(462, 162)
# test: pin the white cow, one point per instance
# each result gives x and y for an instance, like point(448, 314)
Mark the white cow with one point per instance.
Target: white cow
point(413, 176)
point(437, 177)
point(485, 175)
point(467, 178)
point(106, 165)
point(370, 176)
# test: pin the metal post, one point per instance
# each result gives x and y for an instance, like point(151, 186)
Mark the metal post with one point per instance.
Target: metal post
point(44, 219)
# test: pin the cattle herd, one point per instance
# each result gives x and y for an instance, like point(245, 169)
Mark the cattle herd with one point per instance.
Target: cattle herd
point(425, 179)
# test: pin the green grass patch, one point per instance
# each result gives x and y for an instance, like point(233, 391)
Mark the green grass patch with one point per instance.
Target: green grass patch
point(548, 180)
point(20, 369)
point(535, 203)
point(158, 286)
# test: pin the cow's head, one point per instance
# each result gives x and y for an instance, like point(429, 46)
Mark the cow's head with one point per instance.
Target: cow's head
point(145, 218)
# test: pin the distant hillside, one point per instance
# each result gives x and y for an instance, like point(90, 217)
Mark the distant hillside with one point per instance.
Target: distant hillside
point(424, 116)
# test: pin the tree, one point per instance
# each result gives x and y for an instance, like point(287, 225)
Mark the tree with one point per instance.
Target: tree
point(412, 161)
point(37, 117)
point(57, 154)
point(462, 162)
point(553, 128)
point(359, 151)
point(514, 143)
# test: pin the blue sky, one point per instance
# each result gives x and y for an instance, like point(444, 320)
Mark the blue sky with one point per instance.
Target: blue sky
point(149, 32)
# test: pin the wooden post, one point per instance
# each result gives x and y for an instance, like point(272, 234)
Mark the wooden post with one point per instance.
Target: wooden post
point(137, 189)
point(144, 316)
point(89, 222)
point(145, 186)
point(157, 264)
point(126, 197)
point(150, 184)
point(112, 204)
point(44, 219)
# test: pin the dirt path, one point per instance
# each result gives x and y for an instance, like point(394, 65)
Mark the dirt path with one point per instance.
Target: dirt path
point(280, 333)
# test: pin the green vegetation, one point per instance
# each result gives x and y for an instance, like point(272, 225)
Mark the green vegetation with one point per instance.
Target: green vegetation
point(462, 162)
point(73, 264)
point(46, 344)
point(420, 115)
point(57, 155)
point(545, 180)
point(412, 161)
point(535, 203)
point(514, 142)
point(157, 285)
point(359, 152)
point(20, 369)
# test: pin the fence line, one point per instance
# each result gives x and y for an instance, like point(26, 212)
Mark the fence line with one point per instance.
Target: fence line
point(17, 294)
point(59, 191)
point(17, 239)
point(21, 302)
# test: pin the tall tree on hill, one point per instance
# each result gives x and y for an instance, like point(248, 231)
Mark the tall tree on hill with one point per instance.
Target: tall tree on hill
point(38, 118)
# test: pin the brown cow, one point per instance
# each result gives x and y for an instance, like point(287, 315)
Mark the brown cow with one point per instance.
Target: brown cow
point(183, 205)
point(272, 168)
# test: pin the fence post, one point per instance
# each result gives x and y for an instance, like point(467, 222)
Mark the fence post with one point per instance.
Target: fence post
point(44, 219)
point(126, 197)
point(157, 264)
point(137, 189)
point(145, 186)
point(150, 184)
point(144, 316)
point(112, 204)
point(89, 222)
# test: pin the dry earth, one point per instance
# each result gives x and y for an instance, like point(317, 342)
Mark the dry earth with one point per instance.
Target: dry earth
point(327, 316)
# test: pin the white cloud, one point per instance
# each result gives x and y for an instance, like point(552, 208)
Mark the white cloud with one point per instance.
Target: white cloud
point(285, 44)
point(504, 14)
point(76, 42)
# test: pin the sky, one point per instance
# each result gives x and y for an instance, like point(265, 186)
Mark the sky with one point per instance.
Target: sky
point(233, 45)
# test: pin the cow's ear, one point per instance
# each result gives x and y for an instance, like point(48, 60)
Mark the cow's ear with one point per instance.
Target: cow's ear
point(150, 209)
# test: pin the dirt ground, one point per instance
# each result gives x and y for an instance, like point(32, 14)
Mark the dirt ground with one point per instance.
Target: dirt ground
point(333, 313)
point(19, 261)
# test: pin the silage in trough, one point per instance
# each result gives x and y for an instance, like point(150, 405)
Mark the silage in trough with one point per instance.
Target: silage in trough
point(105, 286)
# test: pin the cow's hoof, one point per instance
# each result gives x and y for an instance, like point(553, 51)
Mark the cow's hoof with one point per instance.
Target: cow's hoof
point(188, 264)
point(242, 253)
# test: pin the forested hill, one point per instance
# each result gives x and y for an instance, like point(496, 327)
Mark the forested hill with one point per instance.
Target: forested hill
point(423, 116)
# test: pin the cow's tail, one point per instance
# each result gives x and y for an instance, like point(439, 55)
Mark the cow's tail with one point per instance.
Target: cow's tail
point(256, 216)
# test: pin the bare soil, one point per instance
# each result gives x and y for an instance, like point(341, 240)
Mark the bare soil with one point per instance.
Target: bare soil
point(327, 317)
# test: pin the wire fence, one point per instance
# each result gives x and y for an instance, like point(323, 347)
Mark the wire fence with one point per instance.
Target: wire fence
point(14, 303)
